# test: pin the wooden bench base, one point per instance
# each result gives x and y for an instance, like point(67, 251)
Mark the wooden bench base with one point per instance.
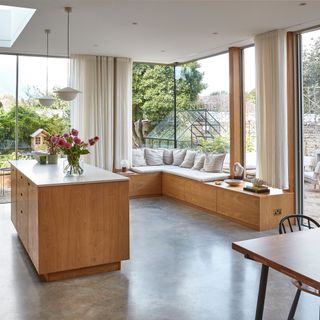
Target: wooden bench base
point(256, 211)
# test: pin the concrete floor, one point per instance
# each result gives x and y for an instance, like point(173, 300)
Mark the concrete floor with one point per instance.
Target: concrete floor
point(182, 267)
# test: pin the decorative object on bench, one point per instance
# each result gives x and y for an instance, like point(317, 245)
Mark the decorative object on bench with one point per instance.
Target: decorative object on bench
point(256, 182)
point(73, 147)
point(138, 159)
point(124, 164)
point(238, 170)
point(154, 157)
point(257, 189)
point(213, 162)
point(298, 222)
point(188, 161)
point(233, 182)
point(178, 156)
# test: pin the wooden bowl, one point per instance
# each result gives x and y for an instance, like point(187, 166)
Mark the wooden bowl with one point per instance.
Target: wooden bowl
point(233, 182)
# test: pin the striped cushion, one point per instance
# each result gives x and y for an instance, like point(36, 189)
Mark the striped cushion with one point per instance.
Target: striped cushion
point(167, 156)
point(198, 161)
point(213, 162)
point(138, 159)
point(154, 157)
point(189, 159)
point(178, 156)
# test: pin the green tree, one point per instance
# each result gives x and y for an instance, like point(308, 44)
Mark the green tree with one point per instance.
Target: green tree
point(153, 90)
point(311, 77)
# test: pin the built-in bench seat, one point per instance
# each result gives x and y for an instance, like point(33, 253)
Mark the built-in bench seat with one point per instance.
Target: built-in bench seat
point(198, 187)
point(183, 172)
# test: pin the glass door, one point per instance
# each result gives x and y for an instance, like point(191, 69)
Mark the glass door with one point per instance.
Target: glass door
point(309, 120)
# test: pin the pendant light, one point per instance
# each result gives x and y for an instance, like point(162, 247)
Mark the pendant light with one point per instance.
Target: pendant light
point(67, 93)
point(47, 100)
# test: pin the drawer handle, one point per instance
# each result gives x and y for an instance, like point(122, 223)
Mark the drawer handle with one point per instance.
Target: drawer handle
point(28, 183)
point(21, 194)
point(20, 177)
point(21, 211)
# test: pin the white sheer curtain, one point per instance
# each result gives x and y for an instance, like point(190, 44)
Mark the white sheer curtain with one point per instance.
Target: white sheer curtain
point(271, 108)
point(96, 109)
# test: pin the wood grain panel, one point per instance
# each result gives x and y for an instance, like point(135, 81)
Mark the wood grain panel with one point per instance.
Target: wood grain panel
point(147, 184)
point(238, 206)
point(14, 196)
point(81, 272)
point(174, 186)
point(268, 220)
point(83, 225)
point(33, 234)
point(201, 195)
point(22, 209)
point(236, 134)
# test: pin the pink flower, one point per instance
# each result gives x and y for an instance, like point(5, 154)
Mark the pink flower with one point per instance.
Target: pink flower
point(96, 138)
point(67, 145)
point(76, 140)
point(74, 132)
point(91, 142)
point(66, 135)
point(54, 139)
point(61, 142)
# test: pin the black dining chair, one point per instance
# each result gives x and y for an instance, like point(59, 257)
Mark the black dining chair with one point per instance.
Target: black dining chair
point(292, 223)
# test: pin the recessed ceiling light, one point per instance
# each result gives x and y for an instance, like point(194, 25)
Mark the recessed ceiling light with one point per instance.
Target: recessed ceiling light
point(215, 33)
point(134, 23)
point(163, 50)
point(95, 45)
point(302, 4)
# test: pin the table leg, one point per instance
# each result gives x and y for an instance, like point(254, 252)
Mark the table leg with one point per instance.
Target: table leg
point(262, 292)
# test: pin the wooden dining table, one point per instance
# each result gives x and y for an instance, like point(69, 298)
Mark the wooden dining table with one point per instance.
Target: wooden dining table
point(293, 254)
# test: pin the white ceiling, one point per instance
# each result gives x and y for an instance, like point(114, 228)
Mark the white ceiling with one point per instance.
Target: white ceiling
point(167, 31)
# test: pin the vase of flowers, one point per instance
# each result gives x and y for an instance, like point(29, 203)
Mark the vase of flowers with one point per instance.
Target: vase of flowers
point(73, 147)
point(53, 148)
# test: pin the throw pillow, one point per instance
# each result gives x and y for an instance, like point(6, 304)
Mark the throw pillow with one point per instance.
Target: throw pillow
point(167, 156)
point(138, 159)
point(154, 157)
point(189, 159)
point(178, 156)
point(213, 163)
point(198, 161)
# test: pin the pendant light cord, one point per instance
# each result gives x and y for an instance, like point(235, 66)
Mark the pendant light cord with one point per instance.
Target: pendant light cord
point(68, 10)
point(47, 31)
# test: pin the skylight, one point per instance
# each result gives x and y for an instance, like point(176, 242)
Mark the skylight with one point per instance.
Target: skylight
point(12, 21)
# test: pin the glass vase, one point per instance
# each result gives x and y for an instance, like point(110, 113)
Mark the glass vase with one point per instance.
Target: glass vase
point(72, 167)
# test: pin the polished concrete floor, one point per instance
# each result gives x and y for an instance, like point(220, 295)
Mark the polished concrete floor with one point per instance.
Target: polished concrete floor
point(182, 267)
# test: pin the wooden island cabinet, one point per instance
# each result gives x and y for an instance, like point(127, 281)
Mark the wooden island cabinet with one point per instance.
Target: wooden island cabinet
point(70, 226)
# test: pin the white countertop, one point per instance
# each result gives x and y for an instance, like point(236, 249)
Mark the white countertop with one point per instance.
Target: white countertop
point(44, 175)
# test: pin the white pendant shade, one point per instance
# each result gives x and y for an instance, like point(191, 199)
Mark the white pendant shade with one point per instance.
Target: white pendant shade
point(67, 93)
point(46, 101)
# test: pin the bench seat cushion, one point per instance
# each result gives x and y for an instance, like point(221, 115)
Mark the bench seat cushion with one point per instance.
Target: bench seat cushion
point(151, 169)
point(183, 172)
point(196, 175)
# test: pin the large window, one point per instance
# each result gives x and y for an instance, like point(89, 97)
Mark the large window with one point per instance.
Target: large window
point(249, 97)
point(34, 120)
point(32, 116)
point(184, 105)
point(153, 117)
point(310, 122)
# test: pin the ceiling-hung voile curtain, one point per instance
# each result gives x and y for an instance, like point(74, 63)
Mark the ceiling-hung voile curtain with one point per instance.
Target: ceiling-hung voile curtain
point(271, 108)
point(95, 110)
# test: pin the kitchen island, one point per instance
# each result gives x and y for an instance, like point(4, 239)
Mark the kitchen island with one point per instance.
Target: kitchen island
point(70, 226)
